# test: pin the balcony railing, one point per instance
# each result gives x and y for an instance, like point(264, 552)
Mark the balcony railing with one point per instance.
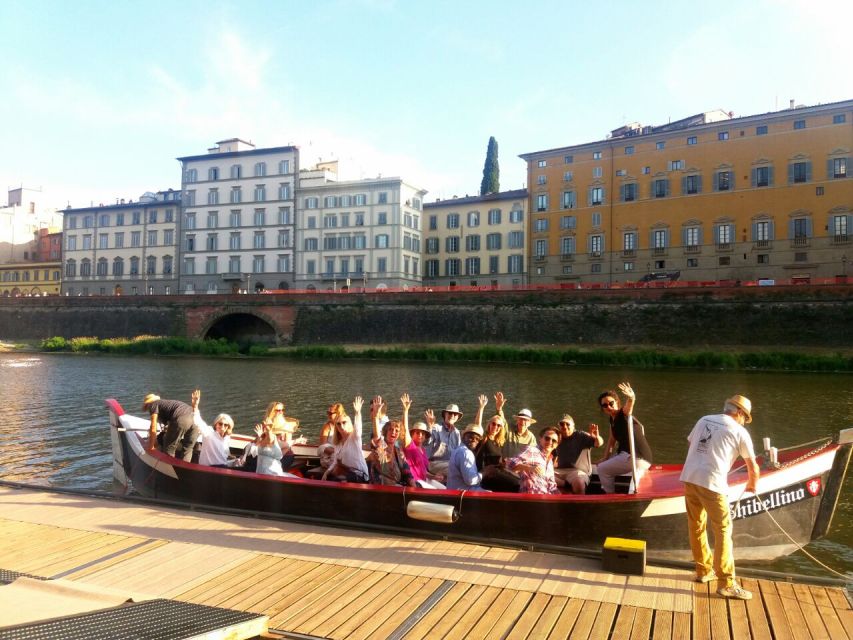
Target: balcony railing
point(724, 246)
point(840, 238)
point(692, 248)
point(567, 257)
point(659, 251)
point(762, 244)
point(800, 241)
point(629, 253)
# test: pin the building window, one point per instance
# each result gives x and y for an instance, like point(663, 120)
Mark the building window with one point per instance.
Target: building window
point(493, 241)
point(515, 239)
point(472, 243)
point(234, 242)
point(839, 118)
point(118, 267)
point(691, 140)
point(381, 241)
point(473, 218)
point(725, 234)
point(452, 220)
point(839, 227)
point(762, 176)
point(260, 217)
point(542, 202)
point(260, 169)
point(596, 155)
point(451, 267)
point(659, 238)
point(660, 187)
point(627, 266)
point(801, 256)
point(595, 268)
point(311, 244)
point(451, 244)
point(259, 241)
point(629, 150)
point(514, 264)
point(596, 219)
point(210, 266)
point(724, 180)
point(540, 179)
point(542, 163)
point(692, 262)
point(596, 245)
point(629, 192)
point(540, 225)
point(236, 195)
point(431, 268)
point(191, 175)
point(647, 170)
point(212, 242)
point(494, 216)
point(597, 172)
point(799, 124)
point(213, 173)
point(540, 249)
point(838, 168)
point(762, 231)
point(433, 222)
point(568, 159)
point(283, 238)
point(432, 245)
point(472, 266)
point(312, 203)
point(724, 261)
point(284, 216)
point(330, 221)
point(236, 172)
point(691, 185)
point(723, 135)
point(568, 222)
point(761, 130)
point(629, 241)
point(235, 218)
point(260, 193)
point(799, 172)
point(763, 258)
point(516, 216)
point(284, 167)
point(691, 237)
point(284, 192)
point(567, 246)
point(596, 196)
point(494, 264)
point(213, 196)
point(258, 264)
point(675, 165)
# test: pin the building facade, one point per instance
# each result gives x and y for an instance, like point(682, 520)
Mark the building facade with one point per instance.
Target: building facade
point(712, 197)
point(238, 223)
point(24, 220)
point(129, 248)
point(476, 241)
point(30, 279)
point(359, 233)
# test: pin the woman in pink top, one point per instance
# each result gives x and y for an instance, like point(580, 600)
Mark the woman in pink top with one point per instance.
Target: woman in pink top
point(414, 441)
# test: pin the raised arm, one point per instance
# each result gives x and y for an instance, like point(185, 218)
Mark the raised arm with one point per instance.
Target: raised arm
point(630, 398)
point(407, 404)
point(500, 401)
point(375, 405)
point(483, 401)
point(593, 431)
point(357, 403)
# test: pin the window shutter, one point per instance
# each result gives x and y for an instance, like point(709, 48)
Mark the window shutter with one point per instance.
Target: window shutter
point(666, 238)
point(622, 192)
point(769, 176)
point(754, 174)
point(829, 171)
point(808, 227)
point(791, 228)
point(754, 231)
point(731, 180)
point(589, 244)
point(732, 231)
point(771, 230)
point(589, 197)
point(698, 184)
point(809, 171)
point(684, 185)
point(790, 173)
point(714, 187)
point(666, 186)
point(699, 235)
point(684, 237)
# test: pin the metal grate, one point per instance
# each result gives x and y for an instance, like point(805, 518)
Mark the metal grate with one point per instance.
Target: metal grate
point(149, 620)
point(8, 577)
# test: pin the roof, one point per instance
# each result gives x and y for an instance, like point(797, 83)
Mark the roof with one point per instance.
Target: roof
point(238, 154)
point(489, 197)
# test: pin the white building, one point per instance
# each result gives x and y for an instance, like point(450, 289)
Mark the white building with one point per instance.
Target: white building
point(238, 229)
point(127, 248)
point(359, 233)
point(25, 213)
point(476, 240)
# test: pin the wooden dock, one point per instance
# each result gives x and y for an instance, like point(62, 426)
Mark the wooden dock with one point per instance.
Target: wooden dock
point(323, 582)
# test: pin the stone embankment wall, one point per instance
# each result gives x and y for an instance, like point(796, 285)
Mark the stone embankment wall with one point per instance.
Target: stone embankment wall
point(800, 316)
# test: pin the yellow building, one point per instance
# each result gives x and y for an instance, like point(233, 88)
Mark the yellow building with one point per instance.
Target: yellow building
point(712, 197)
point(30, 279)
point(476, 240)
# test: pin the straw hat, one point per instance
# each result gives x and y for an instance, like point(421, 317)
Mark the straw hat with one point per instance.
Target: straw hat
point(421, 426)
point(151, 397)
point(742, 403)
point(473, 428)
point(452, 408)
point(526, 414)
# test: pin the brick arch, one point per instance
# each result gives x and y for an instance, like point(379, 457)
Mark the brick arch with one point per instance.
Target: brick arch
point(200, 320)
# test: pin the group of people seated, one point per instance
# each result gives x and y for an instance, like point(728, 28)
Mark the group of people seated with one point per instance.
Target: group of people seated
point(429, 453)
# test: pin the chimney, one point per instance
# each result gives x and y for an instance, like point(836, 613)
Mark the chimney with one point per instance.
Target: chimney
point(791, 104)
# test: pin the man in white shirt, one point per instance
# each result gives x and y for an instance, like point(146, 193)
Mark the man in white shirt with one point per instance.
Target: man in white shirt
point(715, 443)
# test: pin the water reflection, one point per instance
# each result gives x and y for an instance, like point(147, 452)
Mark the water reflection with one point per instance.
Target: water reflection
point(55, 426)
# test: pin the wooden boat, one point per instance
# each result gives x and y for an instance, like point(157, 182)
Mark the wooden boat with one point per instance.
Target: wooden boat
point(798, 497)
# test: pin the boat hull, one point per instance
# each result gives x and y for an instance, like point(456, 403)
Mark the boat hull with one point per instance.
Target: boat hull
point(571, 523)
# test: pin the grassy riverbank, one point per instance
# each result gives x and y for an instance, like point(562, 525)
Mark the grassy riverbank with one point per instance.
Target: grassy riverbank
point(727, 358)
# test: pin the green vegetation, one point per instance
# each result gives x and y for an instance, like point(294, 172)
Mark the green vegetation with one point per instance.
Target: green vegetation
point(144, 345)
point(491, 171)
point(640, 358)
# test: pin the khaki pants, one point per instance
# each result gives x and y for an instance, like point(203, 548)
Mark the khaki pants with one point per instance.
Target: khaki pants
point(704, 505)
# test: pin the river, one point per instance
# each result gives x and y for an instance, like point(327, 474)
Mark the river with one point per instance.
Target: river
point(55, 431)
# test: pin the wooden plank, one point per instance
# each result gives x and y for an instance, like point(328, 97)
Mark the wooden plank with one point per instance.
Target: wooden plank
point(498, 600)
point(838, 599)
point(739, 620)
point(249, 576)
point(791, 605)
point(509, 616)
point(476, 611)
point(827, 612)
point(603, 621)
point(528, 619)
point(586, 619)
point(209, 589)
point(549, 616)
point(681, 626)
point(310, 589)
point(445, 627)
point(663, 626)
point(289, 572)
point(701, 611)
point(364, 607)
point(642, 627)
point(779, 625)
point(111, 562)
point(566, 622)
point(719, 613)
point(422, 628)
point(759, 627)
point(624, 622)
point(814, 621)
point(387, 620)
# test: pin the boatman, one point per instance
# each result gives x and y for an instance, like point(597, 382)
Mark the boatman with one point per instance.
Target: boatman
point(180, 425)
point(715, 443)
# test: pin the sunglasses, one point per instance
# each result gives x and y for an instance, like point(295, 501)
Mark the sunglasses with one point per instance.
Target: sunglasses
point(554, 440)
point(341, 423)
point(279, 410)
point(608, 403)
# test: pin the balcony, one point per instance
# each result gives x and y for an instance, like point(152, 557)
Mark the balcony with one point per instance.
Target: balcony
point(539, 257)
point(762, 244)
point(800, 241)
point(629, 253)
point(724, 246)
point(567, 257)
point(840, 238)
point(692, 248)
point(595, 255)
point(659, 251)
point(232, 276)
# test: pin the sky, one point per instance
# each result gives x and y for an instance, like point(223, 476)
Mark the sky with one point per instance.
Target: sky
point(98, 99)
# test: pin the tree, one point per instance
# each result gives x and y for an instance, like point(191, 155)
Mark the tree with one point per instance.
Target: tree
point(491, 170)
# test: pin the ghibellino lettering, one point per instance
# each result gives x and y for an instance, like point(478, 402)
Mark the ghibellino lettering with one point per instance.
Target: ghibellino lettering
point(779, 498)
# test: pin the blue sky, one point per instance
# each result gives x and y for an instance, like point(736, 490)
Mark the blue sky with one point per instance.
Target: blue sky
point(99, 98)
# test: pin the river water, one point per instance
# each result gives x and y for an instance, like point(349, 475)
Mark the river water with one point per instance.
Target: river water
point(55, 428)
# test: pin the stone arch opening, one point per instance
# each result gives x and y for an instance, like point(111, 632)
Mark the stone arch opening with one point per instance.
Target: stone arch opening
point(242, 328)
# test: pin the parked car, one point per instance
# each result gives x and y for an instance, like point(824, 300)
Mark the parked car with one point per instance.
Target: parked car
point(657, 276)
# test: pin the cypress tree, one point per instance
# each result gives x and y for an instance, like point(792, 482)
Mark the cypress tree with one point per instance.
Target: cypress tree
point(491, 170)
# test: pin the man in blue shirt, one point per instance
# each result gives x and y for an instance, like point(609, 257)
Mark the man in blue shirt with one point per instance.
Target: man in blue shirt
point(462, 471)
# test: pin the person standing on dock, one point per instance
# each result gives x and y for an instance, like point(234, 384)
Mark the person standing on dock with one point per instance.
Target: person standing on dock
point(715, 443)
point(180, 425)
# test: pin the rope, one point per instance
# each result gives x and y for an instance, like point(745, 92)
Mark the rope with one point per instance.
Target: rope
point(806, 444)
point(462, 495)
point(797, 544)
